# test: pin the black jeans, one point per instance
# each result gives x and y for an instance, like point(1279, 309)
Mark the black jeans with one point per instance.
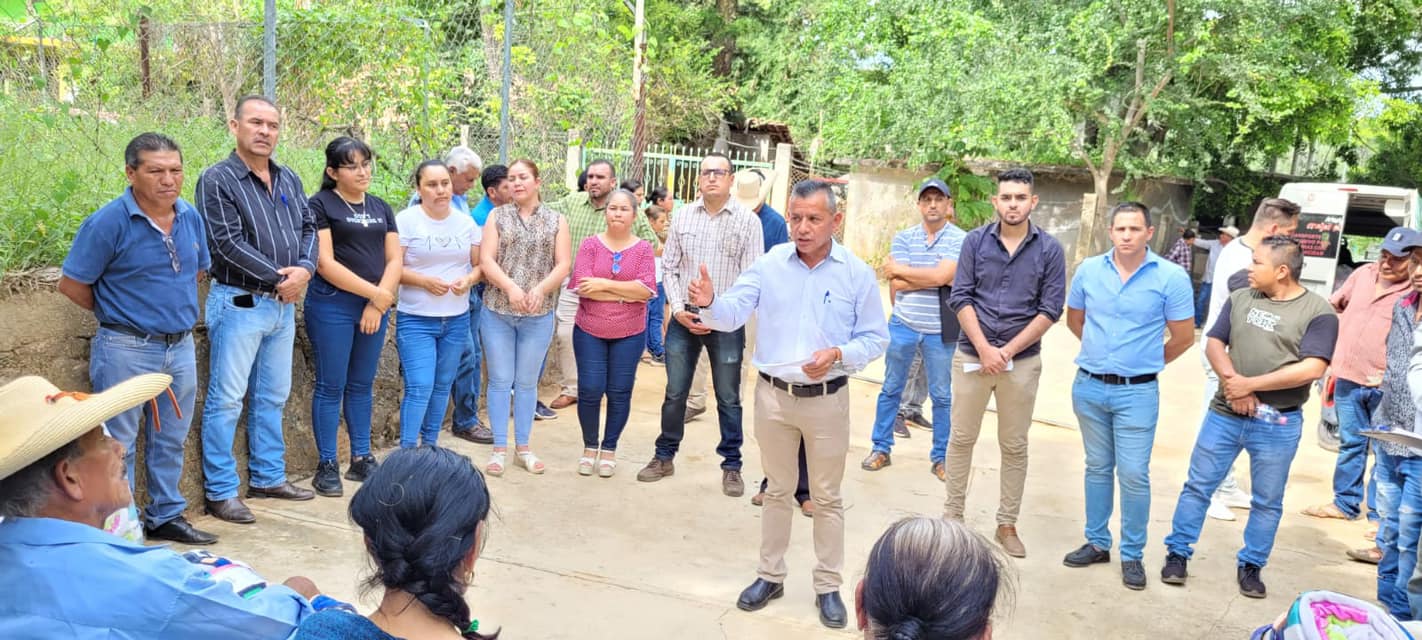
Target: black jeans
point(802, 486)
point(724, 350)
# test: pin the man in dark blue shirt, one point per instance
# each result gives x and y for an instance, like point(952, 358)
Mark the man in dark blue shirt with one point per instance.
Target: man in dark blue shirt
point(263, 243)
point(1009, 289)
point(135, 263)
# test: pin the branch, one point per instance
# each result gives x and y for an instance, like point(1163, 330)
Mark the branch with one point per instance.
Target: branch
point(1396, 90)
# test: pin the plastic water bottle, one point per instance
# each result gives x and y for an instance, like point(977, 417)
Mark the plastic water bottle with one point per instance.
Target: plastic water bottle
point(125, 524)
point(1269, 414)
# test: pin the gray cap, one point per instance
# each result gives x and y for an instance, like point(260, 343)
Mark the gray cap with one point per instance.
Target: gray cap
point(934, 183)
point(1401, 240)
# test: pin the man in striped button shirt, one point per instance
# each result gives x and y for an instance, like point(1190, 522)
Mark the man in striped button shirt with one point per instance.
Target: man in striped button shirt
point(263, 244)
point(716, 233)
point(923, 258)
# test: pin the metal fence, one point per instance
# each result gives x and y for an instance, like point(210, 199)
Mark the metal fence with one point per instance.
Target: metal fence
point(674, 167)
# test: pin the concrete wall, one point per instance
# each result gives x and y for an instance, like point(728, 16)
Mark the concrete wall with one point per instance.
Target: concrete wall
point(42, 333)
point(880, 203)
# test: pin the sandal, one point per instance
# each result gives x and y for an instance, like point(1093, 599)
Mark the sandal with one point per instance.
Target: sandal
point(585, 465)
point(528, 461)
point(606, 466)
point(496, 464)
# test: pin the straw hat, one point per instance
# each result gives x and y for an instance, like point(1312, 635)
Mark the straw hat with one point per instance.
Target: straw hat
point(752, 187)
point(36, 418)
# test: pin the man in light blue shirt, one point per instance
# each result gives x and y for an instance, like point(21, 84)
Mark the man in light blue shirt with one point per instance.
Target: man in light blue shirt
point(923, 258)
point(61, 475)
point(1120, 304)
point(823, 323)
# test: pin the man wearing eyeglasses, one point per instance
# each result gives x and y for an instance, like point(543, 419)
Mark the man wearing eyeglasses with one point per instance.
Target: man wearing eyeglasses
point(135, 264)
point(1364, 304)
point(719, 233)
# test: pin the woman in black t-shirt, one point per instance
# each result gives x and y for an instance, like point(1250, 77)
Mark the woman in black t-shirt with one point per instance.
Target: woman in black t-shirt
point(357, 273)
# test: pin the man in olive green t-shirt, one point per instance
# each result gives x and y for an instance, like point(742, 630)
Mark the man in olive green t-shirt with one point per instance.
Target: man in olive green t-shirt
point(1269, 343)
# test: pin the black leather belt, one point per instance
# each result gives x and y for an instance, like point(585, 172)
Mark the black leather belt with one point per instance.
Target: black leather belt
point(165, 338)
point(808, 390)
point(1111, 378)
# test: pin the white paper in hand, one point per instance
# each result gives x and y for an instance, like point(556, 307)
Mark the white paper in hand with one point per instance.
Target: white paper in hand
point(974, 367)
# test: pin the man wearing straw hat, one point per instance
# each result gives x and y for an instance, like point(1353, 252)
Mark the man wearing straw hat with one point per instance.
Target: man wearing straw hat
point(61, 475)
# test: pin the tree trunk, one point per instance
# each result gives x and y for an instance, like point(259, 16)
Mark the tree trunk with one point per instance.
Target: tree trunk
point(721, 66)
point(1092, 216)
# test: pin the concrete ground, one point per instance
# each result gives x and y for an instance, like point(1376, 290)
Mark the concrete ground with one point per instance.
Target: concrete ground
point(583, 557)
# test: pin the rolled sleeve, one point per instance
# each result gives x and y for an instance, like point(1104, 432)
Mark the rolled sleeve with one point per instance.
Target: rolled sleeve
point(1053, 292)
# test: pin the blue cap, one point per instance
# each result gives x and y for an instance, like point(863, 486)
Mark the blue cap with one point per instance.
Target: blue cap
point(1401, 240)
point(934, 183)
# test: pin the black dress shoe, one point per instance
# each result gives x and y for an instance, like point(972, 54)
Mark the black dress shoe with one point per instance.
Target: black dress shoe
point(759, 594)
point(328, 479)
point(283, 491)
point(179, 530)
point(231, 510)
point(831, 608)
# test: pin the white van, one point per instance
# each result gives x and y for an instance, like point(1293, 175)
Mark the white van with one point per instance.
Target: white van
point(1332, 211)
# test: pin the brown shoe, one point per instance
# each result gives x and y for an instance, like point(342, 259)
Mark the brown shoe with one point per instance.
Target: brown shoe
point(656, 470)
point(283, 491)
point(563, 402)
point(808, 508)
point(877, 460)
point(231, 510)
point(938, 471)
point(731, 483)
point(1007, 537)
point(758, 499)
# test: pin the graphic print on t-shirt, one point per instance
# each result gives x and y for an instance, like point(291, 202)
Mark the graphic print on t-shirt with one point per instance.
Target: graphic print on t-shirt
point(1263, 319)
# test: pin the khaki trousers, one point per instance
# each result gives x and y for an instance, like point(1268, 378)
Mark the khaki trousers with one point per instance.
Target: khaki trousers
point(1016, 393)
point(563, 341)
point(781, 420)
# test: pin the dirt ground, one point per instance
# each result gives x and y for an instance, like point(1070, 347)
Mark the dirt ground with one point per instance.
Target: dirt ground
point(583, 557)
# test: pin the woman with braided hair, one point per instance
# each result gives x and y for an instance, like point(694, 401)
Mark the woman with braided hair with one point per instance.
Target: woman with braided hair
point(424, 514)
point(930, 579)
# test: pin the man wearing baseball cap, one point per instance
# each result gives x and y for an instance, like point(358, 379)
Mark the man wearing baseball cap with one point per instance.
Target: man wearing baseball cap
point(922, 258)
point(61, 475)
point(1364, 304)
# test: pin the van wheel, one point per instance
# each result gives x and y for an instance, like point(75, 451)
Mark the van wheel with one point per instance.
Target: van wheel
point(1328, 435)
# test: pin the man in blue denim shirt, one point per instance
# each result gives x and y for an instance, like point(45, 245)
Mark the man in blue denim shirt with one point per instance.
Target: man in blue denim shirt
point(61, 474)
point(1119, 305)
point(1009, 289)
point(135, 263)
point(1280, 339)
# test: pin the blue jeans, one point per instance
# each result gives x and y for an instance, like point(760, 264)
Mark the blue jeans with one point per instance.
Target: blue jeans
point(250, 351)
point(725, 351)
point(904, 344)
point(429, 348)
point(1117, 432)
point(1271, 450)
point(345, 363)
point(467, 380)
point(916, 389)
point(115, 357)
point(515, 348)
point(1355, 404)
point(1202, 304)
point(1399, 482)
point(605, 367)
point(654, 322)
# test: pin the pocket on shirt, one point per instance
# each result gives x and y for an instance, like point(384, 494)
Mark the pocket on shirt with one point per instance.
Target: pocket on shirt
point(838, 316)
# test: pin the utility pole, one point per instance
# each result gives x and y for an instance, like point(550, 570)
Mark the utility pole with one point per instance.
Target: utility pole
point(639, 92)
point(269, 45)
point(507, 83)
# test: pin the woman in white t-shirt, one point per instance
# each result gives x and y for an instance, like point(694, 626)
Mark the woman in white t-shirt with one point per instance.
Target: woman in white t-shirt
point(440, 254)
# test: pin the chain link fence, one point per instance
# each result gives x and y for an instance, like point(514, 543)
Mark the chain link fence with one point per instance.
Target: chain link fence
point(411, 86)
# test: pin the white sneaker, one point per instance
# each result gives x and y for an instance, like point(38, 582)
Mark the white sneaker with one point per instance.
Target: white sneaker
point(1219, 511)
point(1235, 498)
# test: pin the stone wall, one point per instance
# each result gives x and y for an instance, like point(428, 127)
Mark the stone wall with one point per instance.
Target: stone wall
point(42, 333)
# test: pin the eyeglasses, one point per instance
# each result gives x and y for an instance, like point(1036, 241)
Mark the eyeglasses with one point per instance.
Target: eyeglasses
point(715, 173)
point(366, 165)
point(617, 263)
point(173, 254)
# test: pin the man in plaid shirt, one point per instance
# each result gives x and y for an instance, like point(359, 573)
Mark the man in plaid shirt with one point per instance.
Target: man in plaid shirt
point(1182, 252)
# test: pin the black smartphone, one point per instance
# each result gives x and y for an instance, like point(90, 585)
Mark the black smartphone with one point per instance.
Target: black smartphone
point(691, 308)
point(244, 301)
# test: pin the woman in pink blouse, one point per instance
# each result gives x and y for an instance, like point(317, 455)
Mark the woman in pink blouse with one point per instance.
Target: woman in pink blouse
point(614, 275)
